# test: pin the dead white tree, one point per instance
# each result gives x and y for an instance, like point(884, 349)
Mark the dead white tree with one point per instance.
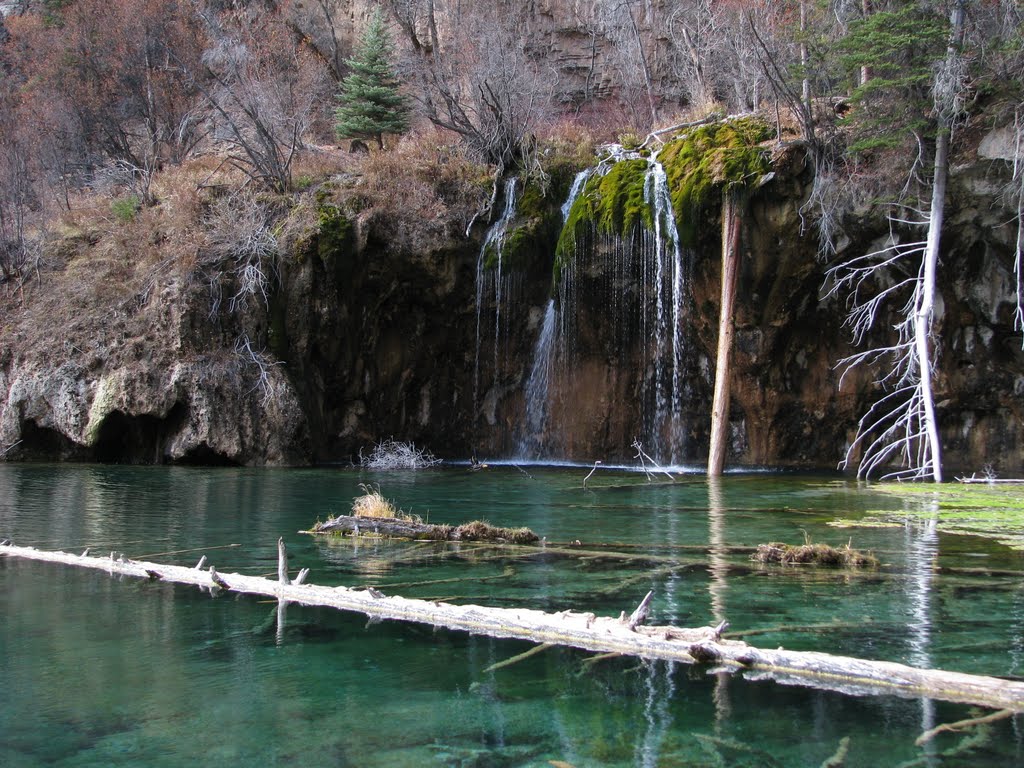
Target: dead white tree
point(1017, 192)
point(902, 425)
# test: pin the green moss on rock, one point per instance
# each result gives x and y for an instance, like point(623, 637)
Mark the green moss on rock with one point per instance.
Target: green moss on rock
point(334, 231)
point(708, 159)
point(612, 203)
point(698, 165)
point(536, 226)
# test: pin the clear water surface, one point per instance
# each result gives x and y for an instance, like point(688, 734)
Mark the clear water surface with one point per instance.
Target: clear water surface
point(102, 671)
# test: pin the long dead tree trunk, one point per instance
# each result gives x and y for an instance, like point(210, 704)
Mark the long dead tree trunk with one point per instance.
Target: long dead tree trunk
point(730, 271)
point(947, 89)
point(603, 634)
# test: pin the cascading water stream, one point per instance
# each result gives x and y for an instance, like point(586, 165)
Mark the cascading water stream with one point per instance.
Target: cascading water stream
point(537, 390)
point(668, 323)
point(639, 277)
point(493, 243)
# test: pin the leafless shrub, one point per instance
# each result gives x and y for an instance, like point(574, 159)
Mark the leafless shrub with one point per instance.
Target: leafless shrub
point(390, 454)
point(263, 365)
point(261, 97)
point(239, 233)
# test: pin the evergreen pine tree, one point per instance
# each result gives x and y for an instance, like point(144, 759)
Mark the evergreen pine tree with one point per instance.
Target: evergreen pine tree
point(371, 104)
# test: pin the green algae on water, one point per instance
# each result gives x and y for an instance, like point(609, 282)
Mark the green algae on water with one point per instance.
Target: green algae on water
point(993, 511)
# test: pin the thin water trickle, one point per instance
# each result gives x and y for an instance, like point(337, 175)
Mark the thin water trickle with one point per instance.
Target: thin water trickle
point(493, 242)
point(668, 255)
point(537, 391)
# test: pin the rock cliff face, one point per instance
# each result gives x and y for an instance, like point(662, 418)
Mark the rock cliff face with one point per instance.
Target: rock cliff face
point(363, 341)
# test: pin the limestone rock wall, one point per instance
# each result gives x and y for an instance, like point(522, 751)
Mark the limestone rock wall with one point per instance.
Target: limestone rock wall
point(362, 341)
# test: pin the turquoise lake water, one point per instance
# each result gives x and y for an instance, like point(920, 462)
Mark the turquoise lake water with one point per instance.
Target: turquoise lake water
point(105, 671)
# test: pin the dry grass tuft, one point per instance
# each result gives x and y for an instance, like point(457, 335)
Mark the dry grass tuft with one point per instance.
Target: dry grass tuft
point(373, 504)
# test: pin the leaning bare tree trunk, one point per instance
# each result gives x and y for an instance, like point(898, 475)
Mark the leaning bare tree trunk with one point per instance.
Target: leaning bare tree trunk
point(730, 270)
point(925, 308)
point(946, 89)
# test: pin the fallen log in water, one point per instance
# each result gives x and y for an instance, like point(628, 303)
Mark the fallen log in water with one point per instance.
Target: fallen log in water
point(602, 634)
point(408, 528)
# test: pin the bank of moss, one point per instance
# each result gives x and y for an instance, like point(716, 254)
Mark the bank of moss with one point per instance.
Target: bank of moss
point(698, 166)
point(537, 223)
point(708, 159)
point(334, 231)
point(612, 203)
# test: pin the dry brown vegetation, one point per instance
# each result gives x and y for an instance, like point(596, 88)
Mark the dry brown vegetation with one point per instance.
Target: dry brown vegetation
point(813, 554)
point(372, 503)
point(423, 191)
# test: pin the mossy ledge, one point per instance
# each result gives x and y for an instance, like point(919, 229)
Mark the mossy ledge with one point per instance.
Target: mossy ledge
point(727, 155)
point(699, 165)
point(538, 221)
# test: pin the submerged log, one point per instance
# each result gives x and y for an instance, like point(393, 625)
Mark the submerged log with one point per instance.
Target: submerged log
point(406, 528)
point(600, 634)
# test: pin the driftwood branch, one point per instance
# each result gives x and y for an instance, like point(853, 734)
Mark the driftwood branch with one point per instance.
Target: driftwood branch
point(405, 528)
point(714, 117)
point(602, 634)
point(961, 725)
point(519, 657)
point(639, 616)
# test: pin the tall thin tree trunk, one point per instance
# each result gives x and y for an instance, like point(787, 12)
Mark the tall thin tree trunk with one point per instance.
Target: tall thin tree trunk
point(730, 271)
point(805, 60)
point(865, 71)
point(925, 308)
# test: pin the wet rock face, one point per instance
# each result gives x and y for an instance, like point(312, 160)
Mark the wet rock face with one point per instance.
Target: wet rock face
point(161, 383)
point(792, 403)
point(362, 341)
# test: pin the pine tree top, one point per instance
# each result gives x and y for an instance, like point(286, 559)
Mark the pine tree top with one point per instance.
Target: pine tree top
point(371, 103)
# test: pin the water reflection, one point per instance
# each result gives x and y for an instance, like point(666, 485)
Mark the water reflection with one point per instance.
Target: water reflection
point(922, 545)
point(153, 666)
point(718, 570)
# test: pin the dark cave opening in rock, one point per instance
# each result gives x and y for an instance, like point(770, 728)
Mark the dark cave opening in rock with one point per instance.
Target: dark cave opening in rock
point(142, 439)
point(205, 456)
point(43, 443)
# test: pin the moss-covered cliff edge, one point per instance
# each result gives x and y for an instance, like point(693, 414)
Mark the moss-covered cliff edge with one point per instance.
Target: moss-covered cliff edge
point(135, 344)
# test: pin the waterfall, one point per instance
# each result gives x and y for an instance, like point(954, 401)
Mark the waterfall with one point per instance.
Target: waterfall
point(493, 243)
point(667, 257)
point(537, 389)
point(637, 280)
point(574, 191)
